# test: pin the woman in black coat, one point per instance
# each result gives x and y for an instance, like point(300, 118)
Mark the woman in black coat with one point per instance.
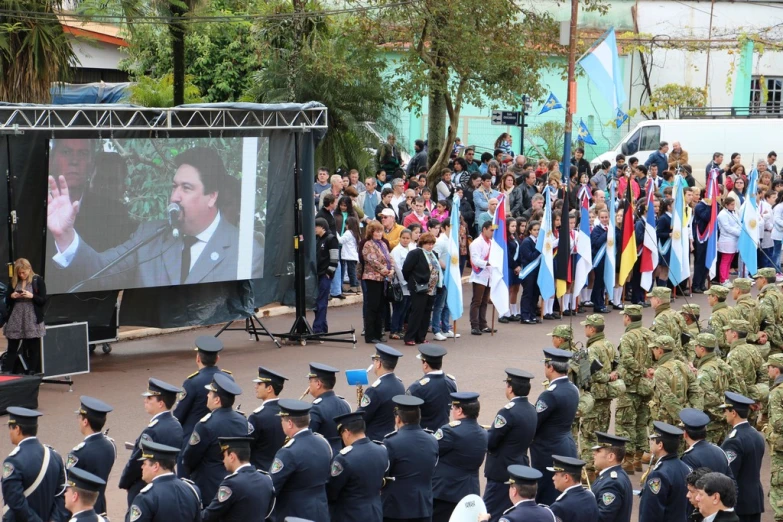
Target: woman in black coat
point(421, 268)
point(25, 327)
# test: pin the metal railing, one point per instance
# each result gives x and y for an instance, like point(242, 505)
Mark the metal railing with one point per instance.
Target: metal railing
point(766, 111)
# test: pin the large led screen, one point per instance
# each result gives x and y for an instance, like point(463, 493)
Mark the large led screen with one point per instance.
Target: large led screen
point(137, 213)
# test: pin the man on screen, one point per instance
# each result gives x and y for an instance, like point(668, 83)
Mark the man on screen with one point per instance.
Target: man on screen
point(207, 248)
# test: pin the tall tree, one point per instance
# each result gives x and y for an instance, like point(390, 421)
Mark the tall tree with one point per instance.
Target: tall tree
point(35, 52)
point(463, 51)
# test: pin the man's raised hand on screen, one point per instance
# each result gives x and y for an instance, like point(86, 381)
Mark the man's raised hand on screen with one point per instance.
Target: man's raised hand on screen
point(61, 213)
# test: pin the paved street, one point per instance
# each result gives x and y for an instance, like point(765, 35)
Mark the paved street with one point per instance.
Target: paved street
point(120, 378)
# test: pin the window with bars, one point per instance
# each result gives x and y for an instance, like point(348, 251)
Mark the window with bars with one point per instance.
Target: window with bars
point(766, 94)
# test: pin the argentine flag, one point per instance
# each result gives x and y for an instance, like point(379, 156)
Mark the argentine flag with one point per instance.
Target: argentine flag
point(545, 244)
point(602, 65)
point(498, 260)
point(679, 261)
point(750, 219)
point(610, 258)
point(453, 275)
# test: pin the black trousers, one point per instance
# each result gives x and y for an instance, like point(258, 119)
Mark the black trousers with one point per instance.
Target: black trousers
point(419, 318)
point(699, 270)
point(756, 517)
point(373, 318)
point(442, 509)
point(30, 349)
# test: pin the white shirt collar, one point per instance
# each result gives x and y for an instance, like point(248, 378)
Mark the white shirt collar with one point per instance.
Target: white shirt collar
point(161, 476)
point(96, 434)
point(567, 490)
point(158, 415)
point(300, 431)
point(435, 372)
point(271, 400)
point(206, 235)
point(242, 466)
point(559, 378)
point(607, 469)
point(740, 423)
point(26, 439)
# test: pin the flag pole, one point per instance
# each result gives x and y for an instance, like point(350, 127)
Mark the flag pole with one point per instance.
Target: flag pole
point(571, 95)
point(455, 332)
point(492, 328)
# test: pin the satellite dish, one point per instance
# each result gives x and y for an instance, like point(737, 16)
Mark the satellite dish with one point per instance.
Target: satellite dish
point(468, 509)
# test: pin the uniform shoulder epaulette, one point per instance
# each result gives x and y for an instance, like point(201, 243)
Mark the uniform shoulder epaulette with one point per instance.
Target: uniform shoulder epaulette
point(733, 433)
point(451, 377)
point(14, 451)
point(392, 434)
point(206, 417)
point(509, 405)
point(317, 401)
point(289, 443)
point(398, 379)
point(552, 387)
point(153, 423)
point(455, 423)
point(428, 431)
point(376, 383)
point(263, 472)
point(146, 488)
point(258, 410)
point(226, 371)
point(613, 474)
point(346, 450)
point(78, 446)
point(192, 375)
point(424, 381)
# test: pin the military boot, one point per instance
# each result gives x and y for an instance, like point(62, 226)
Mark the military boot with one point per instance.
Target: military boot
point(628, 464)
point(637, 461)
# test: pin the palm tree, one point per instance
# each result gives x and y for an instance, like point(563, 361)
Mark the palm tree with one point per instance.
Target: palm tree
point(35, 52)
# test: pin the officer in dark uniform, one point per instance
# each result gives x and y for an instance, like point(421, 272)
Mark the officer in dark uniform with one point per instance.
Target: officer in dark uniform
point(203, 457)
point(509, 438)
point(523, 483)
point(163, 428)
point(664, 490)
point(462, 445)
point(268, 436)
point(434, 388)
point(612, 488)
point(82, 489)
point(413, 454)
point(354, 489)
point(700, 453)
point(21, 469)
point(575, 503)
point(556, 409)
point(97, 452)
point(247, 494)
point(376, 403)
point(300, 470)
point(744, 448)
point(192, 405)
point(165, 498)
point(327, 404)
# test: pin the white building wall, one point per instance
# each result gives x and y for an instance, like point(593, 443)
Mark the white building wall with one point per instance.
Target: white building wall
point(97, 55)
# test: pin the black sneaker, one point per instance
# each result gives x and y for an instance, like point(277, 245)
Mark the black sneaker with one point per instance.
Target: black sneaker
point(549, 317)
point(488, 330)
point(504, 319)
point(475, 331)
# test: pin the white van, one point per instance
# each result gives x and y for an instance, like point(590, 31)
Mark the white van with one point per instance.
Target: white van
point(754, 138)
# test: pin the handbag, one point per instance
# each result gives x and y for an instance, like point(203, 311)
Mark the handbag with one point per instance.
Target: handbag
point(394, 290)
point(422, 288)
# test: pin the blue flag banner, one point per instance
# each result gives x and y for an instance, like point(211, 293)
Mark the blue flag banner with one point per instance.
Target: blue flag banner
point(750, 220)
point(453, 274)
point(584, 134)
point(550, 104)
point(602, 65)
point(620, 118)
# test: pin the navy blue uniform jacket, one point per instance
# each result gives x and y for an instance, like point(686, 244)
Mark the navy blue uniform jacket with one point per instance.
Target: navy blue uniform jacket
point(462, 445)
point(434, 389)
point(377, 405)
point(509, 438)
point(268, 436)
point(354, 488)
point(614, 494)
point(663, 494)
point(95, 454)
point(744, 447)
point(413, 455)
point(247, 495)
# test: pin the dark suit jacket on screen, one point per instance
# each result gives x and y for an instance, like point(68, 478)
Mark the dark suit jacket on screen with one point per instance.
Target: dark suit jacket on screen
point(158, 262)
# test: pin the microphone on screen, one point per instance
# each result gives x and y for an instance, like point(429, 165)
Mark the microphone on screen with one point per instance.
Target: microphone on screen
point(174, 211)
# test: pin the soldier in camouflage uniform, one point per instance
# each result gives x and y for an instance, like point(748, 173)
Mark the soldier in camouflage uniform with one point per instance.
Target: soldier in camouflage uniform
point(601, 350)
point(745, 361)
point(774, 433)
point(715, 377)
point(690, 314)
point(667, 321)
point(770, 309)
point(674, 385)
point(721, 315)
point(746, 306)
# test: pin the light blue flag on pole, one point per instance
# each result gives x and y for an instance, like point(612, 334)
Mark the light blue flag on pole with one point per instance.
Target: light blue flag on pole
point(611, 243)
point(750, 219)
point(453, 275)
point(679, 263)
point(602, 65)
point(551, 104)
point(584, 134)
point(620, 118)
point(545, 245)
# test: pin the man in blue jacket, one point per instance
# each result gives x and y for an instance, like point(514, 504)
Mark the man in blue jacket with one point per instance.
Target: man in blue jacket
point(659, 158)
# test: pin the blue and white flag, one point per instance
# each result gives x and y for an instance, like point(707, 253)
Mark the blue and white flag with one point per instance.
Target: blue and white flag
point(498, 260)
point(584, 258)
point(545, 244)
point(620, 118)
point(750, 219)
point(611, 242)
point(679, 260)
point(453, 274)
point(550, 104)
point(602, 65)
point(584, 134)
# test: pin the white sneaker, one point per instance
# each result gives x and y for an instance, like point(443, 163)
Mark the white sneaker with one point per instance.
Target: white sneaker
point(439, 337)
point(452, 335)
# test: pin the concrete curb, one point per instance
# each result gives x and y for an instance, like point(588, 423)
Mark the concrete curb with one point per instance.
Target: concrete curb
point(267, 311)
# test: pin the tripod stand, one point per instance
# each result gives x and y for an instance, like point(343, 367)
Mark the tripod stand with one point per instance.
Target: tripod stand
point(253, 326)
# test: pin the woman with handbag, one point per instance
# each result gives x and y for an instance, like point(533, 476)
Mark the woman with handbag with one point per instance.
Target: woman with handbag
point(25, 325)
point(423, 274)
point(377, 272)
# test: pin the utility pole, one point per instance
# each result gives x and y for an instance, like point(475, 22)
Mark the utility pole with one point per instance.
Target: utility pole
point(571, 96)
